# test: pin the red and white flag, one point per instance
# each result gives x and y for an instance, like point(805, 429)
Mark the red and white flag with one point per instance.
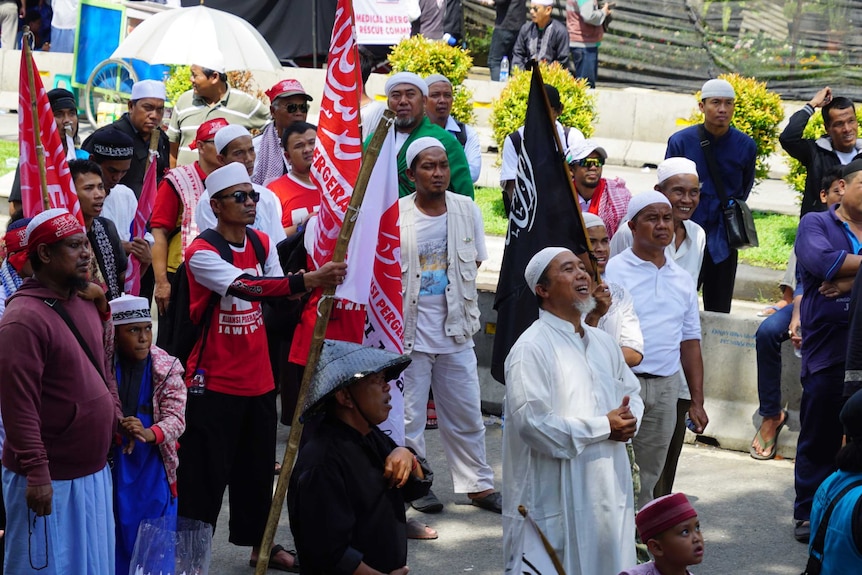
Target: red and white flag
point(373, 261)
point(61, 188)
point(139, 224)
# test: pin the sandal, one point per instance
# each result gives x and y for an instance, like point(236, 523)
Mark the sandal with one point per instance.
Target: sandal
point(276, 566)
point(431, 415)
point(418, 530)
point(770, 447)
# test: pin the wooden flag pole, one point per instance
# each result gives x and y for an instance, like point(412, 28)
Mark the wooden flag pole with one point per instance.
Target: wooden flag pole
point(591, 263)
point(545, 543)
point(369, 158)
point(34, 107)
point(154, 147)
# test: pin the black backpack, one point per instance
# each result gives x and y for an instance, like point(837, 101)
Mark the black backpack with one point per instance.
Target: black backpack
point(177, 332)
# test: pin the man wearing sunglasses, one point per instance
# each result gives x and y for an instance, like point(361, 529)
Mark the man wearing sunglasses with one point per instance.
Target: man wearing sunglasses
point(231, 421)
point(608, 199)
point(288, 104)
point(210, 97)
point(234, 144)
point(543, 39)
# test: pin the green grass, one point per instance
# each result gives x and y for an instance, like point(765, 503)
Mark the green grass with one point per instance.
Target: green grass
point(776, 232)
point(7, 150)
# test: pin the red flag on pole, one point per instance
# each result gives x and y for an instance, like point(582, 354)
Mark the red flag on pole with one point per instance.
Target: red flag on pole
point(139, 225)
point(61, 188)
point(373, 256)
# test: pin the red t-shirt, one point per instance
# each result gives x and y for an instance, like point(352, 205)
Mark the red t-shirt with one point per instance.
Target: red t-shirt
point(236, 356)
point(167, 207)
point(298, 199)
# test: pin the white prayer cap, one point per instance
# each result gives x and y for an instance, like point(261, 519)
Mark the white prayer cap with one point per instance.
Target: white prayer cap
point(716, 88)
point(406, 78)
point(542, 2)
point(644, 199)
point(583, 148)
point(593, 221)
point(434, 78)
point(228, 134)
point(538, 264)
point(419, 145)
point(210, 60)
point(149, 89)
point(675, 166)
point(130, 309)
point(230, 175)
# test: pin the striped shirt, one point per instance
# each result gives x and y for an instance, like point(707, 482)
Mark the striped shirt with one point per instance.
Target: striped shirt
point(191, 111)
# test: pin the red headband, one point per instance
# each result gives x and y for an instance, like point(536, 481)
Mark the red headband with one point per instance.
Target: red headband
point(16, 247)
point(53, 230)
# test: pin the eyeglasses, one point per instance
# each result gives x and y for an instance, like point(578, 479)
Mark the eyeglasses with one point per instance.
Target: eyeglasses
point(293, 108)
point(589, 163)
point(240, 196)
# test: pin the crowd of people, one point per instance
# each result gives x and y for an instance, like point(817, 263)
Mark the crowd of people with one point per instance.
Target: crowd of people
point(105, 428)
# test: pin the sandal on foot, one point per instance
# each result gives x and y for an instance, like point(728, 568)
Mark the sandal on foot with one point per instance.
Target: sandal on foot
point(427, 504)
point(431, 415)
point(491, 502)
point(770, 447)
point(276, 566)
point(418, 530)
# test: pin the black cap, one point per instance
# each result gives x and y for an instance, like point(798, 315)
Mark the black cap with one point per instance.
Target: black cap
point(62, 99)
point(111, 144)
point(851, 168)
point(553, 97)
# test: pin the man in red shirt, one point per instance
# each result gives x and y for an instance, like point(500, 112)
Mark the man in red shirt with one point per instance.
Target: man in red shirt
point(231, 415)
point(298, 195)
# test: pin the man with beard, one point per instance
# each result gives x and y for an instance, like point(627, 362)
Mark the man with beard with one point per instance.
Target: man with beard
point(60, 408)
point(406, 94)
point(666, 304)
point(571, 405)
point(608, 199)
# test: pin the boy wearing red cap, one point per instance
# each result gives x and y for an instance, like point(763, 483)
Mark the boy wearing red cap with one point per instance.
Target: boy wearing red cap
point(671, 530)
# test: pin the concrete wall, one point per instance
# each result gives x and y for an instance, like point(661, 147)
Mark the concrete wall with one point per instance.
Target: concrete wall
point(48, 63)
point(730, 376)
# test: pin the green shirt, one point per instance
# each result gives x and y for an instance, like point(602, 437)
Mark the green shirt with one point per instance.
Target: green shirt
point(191, 111)
point(460, 180)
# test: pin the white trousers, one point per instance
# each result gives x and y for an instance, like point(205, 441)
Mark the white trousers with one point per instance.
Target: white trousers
point(455, 381)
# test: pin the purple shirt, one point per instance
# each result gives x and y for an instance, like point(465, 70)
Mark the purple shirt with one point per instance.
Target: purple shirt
point(822, 244)
point(645, 569)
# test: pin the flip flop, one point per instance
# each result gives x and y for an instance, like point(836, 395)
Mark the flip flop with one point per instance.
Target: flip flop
point(418, 530)
point(771, 445)
point(274, 565)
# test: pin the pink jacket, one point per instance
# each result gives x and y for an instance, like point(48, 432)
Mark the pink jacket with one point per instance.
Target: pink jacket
point(169, 409)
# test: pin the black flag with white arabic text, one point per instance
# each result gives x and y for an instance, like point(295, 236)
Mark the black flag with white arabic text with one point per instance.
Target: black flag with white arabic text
point(543, 213)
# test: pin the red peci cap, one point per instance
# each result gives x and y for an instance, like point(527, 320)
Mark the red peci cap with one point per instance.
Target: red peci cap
point(288, 87)
point(663, 513)
point(207, 131)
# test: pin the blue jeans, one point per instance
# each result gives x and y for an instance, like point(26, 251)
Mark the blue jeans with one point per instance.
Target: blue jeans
point(586, 61)
point(768, 339)
point(502, 44)
point(820, 434)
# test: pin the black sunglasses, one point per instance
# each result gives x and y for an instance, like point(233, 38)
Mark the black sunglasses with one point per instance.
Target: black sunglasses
point(240, 196)
point(293, 108)
point(589, 162)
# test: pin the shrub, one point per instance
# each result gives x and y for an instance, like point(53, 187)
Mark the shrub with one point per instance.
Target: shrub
point(814, 129)
point(179, 81)
point(425, 57)
point(579, 104)
point(758, 112)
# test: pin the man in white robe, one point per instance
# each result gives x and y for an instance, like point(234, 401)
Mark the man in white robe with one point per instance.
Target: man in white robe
point(571, 404)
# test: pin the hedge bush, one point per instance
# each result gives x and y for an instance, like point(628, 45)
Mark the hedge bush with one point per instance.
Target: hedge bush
point(758, 112)
point(425, 57)
point(579, 103)
point(814, 129)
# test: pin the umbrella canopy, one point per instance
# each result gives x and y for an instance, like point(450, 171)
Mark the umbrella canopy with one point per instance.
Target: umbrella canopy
point(185, 35)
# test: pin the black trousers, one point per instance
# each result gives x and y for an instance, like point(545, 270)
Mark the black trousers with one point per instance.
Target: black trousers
point(229, 442)
point(717, 280)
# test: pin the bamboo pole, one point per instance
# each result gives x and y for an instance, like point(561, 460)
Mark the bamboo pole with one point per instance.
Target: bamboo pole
point(154, 147)
point(34, 108)
point(545, 543)
point(369, 158)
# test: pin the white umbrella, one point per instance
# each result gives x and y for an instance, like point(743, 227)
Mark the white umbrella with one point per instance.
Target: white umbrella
point(183, 35)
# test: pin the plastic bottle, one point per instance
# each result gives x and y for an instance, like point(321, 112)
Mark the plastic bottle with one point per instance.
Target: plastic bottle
point(504, 69)
point(449, 39)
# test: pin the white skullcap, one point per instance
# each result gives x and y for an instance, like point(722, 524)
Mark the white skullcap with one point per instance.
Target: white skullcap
point(228, 134)
point(406, 78)
point(583, 148)
point(419, 145)
point(543, 2)
point(230, 175)
point(149, 89)
point(130, 309)
point(716, 88)
point(538, 264)
point(211, 60)
point(434, 78)
point(593, 221)
point(644, 199)
point(675, 166)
